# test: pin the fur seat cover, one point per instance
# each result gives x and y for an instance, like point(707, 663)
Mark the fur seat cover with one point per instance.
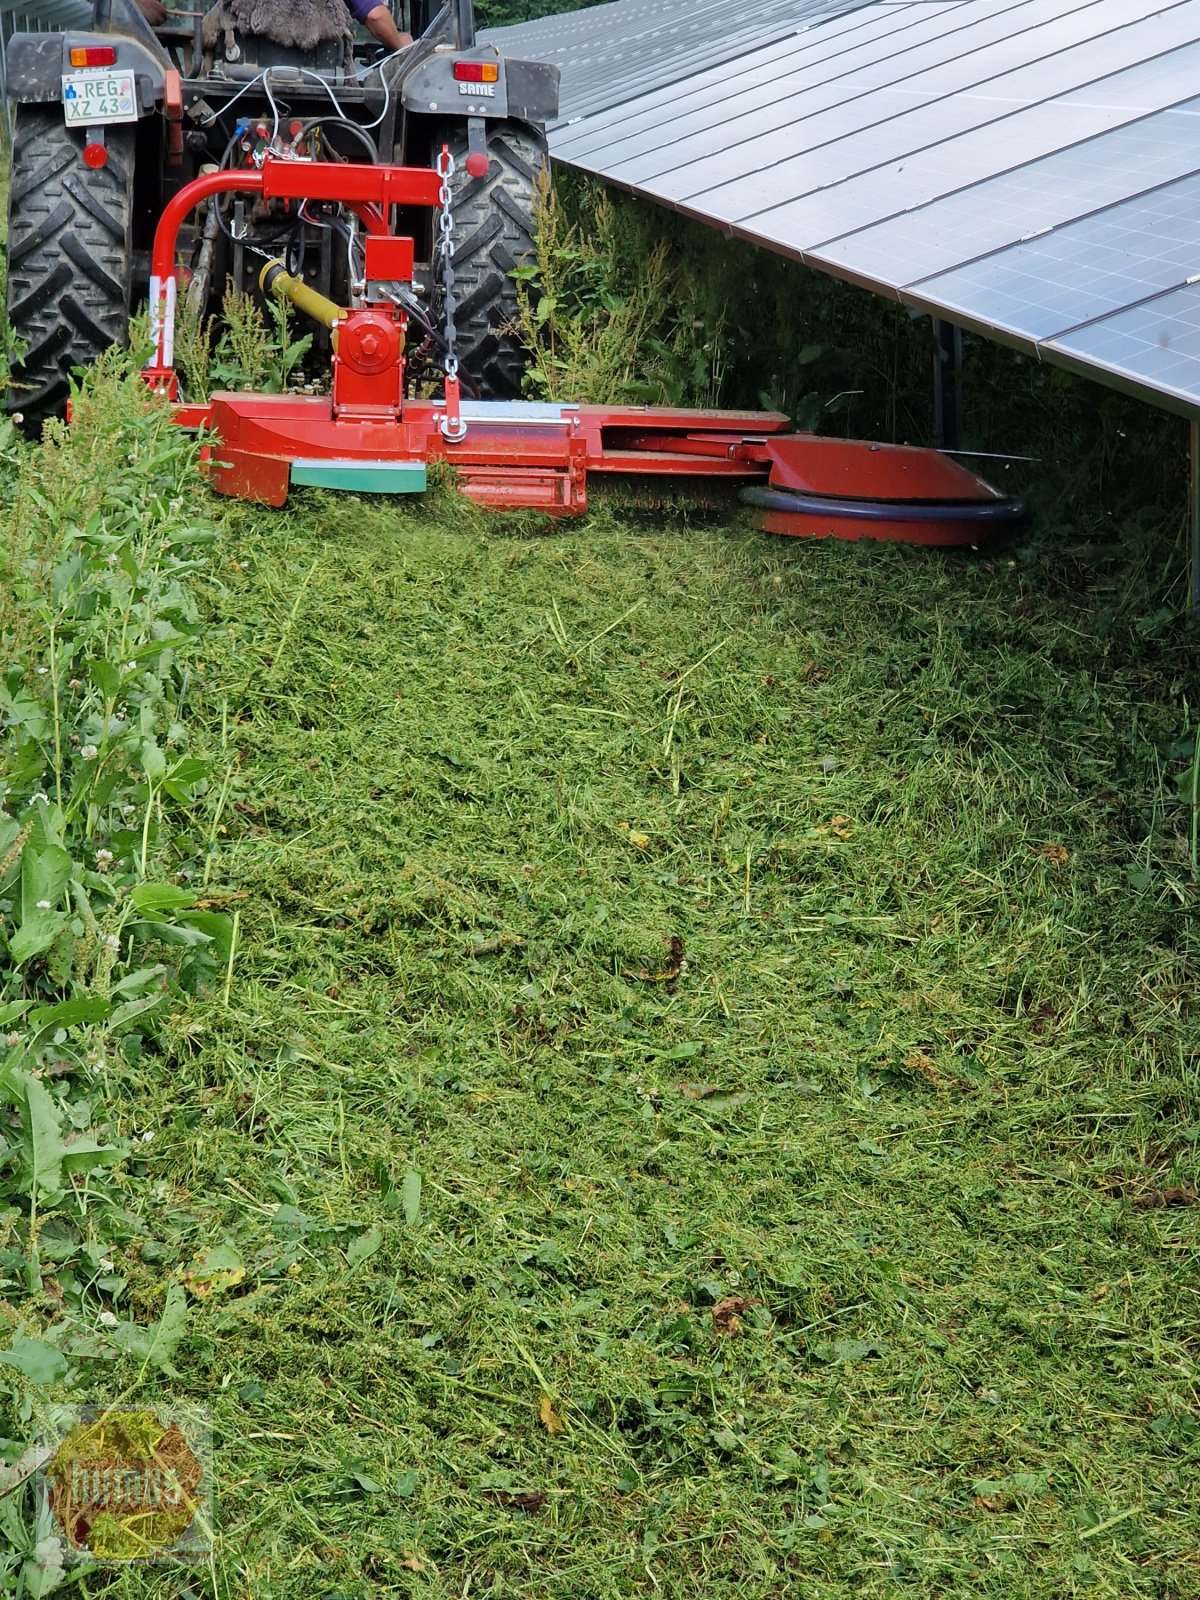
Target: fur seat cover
point(298, 24)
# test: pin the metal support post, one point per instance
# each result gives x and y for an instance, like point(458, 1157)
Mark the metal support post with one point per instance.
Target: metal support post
point(1194, 520)
point(947, 369)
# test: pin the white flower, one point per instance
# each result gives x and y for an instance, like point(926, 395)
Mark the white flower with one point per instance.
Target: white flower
point(14, 1039)
point(110, 561)
point(43, 905)
point(104, 858)
point(131, 666)
point(42, 671)
point(89, 752)
point(106, 1319)
point(147, 1136)
point(112, 941)
point(105, 1264)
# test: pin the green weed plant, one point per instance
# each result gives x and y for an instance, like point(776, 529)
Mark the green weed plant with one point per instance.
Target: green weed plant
point(103, 927)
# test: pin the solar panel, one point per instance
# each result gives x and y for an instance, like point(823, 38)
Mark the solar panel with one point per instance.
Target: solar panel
point(840, 143)
point(1080, 271)
point(1020, 145)
point(833, 56)
point(1031, 167)
point(927, 235)
point(1154, 346)
point(879, 82)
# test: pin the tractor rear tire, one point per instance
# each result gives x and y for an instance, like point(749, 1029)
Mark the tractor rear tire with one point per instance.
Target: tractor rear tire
point(69, 257)
point(494, 220)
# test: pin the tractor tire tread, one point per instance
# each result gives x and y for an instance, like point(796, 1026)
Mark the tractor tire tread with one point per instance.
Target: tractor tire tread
point(69, 257)
point(494, 219)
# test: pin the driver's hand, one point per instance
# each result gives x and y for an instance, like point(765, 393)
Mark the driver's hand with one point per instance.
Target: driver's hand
point(154, 12)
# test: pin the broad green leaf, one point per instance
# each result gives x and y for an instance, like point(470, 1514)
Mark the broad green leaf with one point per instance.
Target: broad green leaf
point(214, 1270)
point(83, 1155)
point(43, 1136)
point(184, 777)
point(363, 1248)
point(410, 1196)
point(214, 925)
point(154, 762)
point(44, 1569)
point(156, 1346)
point(13, 1011)
point(69, 1014)
point(38, 1361)
point(134, 984)
point(846, 1350)
point(161, 897)
point(128, 1013)
point(107, 678)
point(45, 872)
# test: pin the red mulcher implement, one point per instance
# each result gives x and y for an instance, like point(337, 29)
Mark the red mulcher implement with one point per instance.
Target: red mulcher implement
point(368, 435)
point(259, 144)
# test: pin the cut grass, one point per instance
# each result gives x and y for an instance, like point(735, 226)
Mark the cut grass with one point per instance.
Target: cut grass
point(709, 1044)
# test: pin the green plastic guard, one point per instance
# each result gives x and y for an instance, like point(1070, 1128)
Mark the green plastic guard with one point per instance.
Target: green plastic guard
point(367, 477)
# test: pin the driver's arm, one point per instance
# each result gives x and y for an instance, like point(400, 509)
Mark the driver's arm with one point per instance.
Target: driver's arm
point(379, 22)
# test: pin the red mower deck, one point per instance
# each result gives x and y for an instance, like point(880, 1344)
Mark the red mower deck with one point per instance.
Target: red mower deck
point(509, 455)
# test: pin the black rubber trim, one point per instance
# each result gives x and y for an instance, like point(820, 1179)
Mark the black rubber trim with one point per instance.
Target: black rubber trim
point(981, 511)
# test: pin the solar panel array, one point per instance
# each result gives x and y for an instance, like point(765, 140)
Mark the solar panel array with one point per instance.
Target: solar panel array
point(1029, 169)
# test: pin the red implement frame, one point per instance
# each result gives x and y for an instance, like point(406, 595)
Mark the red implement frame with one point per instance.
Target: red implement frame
point(517, 455)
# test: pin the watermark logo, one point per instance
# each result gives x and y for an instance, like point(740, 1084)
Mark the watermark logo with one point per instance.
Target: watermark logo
point(132, 1485)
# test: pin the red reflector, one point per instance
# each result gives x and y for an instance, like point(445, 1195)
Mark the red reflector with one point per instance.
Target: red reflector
point(477, 71)
point(95, 56)
point(478, 165)
point(95, 155)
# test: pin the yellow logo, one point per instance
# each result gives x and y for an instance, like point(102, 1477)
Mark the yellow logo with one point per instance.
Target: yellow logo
point(124, 1486)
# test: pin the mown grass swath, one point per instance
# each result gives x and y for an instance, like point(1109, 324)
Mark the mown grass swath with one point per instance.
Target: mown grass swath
point(701, 1090)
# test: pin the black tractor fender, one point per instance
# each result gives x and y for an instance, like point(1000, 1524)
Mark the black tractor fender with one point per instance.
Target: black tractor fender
point(38, 62)
point(523, 91)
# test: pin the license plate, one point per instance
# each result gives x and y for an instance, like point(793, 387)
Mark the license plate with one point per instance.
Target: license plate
point(93, 98)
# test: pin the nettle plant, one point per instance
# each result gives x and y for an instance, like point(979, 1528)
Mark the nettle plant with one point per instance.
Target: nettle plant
point(101, 921)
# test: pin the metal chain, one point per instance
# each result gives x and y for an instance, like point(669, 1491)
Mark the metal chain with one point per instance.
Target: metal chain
point(445, 171)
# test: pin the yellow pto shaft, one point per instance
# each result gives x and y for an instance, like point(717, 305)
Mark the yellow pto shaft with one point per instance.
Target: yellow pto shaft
point(277, 280)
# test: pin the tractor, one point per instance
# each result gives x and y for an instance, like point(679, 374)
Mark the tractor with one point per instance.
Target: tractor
point(112, 123)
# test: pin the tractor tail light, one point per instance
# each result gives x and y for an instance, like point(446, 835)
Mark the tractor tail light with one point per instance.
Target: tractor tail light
point(95, 56)
point(95, 155)
point(477, 71)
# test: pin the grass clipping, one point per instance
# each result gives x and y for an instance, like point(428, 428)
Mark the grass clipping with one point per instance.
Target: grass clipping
point(699, 1096)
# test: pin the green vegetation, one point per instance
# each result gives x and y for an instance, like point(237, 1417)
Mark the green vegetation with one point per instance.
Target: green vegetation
point(97, 618)
point(630, 1059)
point(501, 13)
point(705, 1089)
